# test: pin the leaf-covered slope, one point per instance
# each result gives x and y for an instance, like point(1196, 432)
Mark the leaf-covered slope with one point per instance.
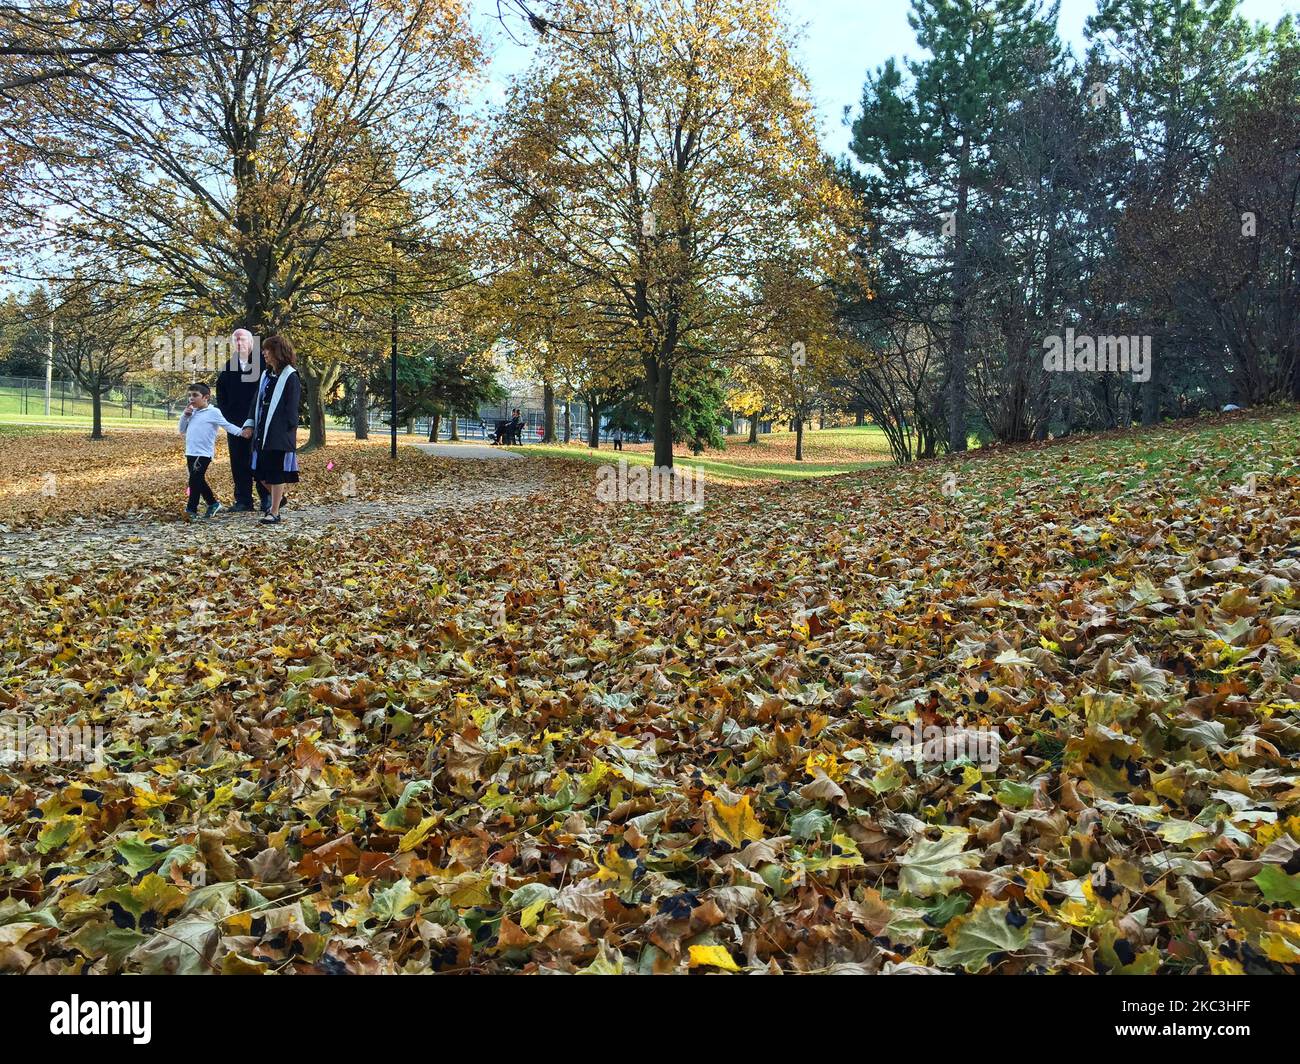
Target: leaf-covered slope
point(558, 736)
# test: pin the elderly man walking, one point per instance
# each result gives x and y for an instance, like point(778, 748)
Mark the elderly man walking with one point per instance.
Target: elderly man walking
point(236, 393)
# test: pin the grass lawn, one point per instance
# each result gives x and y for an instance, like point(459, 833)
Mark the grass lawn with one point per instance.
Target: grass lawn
point(830, 452)
point(83, 424)
point(10, 429)
point(1177, 458)
point(75, 414)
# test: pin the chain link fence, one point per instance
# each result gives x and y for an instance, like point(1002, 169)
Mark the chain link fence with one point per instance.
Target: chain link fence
point(482, 428)
point(25, 397)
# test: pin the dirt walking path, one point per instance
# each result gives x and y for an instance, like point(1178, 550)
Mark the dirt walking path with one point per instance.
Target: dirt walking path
point(89, 543)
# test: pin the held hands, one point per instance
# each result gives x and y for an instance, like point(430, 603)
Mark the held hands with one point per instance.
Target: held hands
point(247, 433)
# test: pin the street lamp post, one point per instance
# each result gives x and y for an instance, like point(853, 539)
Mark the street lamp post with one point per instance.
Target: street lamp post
point(49, 366)
point(393, 243)
point(392, 336)
point(411, 244)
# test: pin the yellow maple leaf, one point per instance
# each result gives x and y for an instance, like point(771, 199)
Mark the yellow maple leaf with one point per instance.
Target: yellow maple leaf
point(1276, 947)
point(713, 957)
point(732, 822)
point(615, 868)
point(1225, 966)
point(417, 834)
point(1036, 882)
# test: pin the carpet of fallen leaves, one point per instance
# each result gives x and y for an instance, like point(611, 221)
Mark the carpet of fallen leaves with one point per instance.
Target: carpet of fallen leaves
point(554, 736)
point(55, 477)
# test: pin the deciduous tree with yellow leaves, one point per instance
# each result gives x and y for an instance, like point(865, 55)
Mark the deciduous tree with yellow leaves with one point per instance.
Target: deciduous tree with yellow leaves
point(667, 160)
point(232, 172)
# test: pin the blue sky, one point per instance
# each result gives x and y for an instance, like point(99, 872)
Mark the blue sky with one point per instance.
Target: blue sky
point(847, 38)
point(844, 39)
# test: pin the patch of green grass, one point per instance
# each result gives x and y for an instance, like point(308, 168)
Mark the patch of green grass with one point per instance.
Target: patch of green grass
point(827, 453)
point(865, 437)
point(711, 467)
point(20, 408)
point(82, 424)
point(1186, 459)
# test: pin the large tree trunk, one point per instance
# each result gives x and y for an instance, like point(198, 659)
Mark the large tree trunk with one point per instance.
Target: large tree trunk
point(593, 421)
point(435, 427)
point(568, 422)
point(957, 345)
point(548, 404)
point(315, 388)
point(96, 414)
point(360, 409)
point(454, 429)
point(753, 429)
point(859, 418)
point(662, 382)
point(257, 296)
point(1151, 391)
point(798, 439)
point(316, 408)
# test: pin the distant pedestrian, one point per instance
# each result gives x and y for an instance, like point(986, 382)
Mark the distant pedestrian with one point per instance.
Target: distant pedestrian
point(618, 439)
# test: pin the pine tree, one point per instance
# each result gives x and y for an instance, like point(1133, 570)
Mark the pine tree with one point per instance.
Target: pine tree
point(927, 141)
point(1173, 65)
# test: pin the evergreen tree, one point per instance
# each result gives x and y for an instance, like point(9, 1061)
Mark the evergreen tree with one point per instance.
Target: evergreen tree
point(927, 142)
point(1172, 65)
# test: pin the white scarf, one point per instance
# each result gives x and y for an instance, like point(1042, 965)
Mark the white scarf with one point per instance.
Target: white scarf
point(285, 374)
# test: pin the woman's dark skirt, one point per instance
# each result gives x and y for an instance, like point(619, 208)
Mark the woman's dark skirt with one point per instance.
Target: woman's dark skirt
point(276, 467)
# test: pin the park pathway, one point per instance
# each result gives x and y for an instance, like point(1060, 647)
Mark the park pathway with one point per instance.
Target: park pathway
point(469, 451)
point(88, 544)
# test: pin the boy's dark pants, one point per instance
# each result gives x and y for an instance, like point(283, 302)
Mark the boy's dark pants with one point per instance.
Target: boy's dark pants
point(241, 471)
point(199, 489)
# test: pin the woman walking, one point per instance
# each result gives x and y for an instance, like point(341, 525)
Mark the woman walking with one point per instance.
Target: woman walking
point(274, 421)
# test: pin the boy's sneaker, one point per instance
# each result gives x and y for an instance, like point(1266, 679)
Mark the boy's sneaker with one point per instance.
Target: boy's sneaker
point(241, 508)
point(213, 509)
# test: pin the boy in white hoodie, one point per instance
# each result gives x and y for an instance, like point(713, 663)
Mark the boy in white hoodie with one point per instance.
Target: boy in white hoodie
point(200, 424)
